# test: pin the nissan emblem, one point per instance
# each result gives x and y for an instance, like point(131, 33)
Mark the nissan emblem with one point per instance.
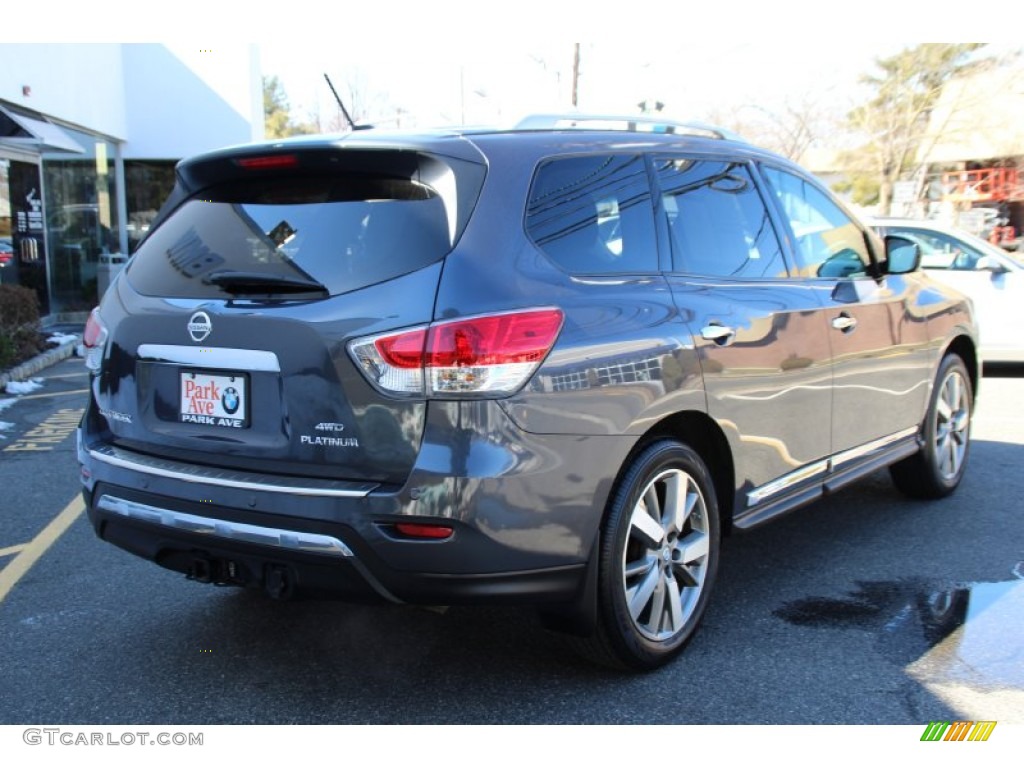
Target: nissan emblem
point(199, 326)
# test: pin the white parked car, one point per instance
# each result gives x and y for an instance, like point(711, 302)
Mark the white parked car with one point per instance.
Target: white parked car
point(990, 276)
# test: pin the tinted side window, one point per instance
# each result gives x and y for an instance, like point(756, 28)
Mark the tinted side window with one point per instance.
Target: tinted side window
point(828, 243)
point(717, 221)
point(593, 214)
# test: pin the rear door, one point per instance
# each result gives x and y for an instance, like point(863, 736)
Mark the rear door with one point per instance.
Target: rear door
point(231, 325)
point(759, 332)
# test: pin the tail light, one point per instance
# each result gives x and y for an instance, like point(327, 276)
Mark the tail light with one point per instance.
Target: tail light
point(487, 356)
point(93, 340)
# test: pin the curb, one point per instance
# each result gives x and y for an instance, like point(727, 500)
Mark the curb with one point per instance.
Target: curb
point(39, 362)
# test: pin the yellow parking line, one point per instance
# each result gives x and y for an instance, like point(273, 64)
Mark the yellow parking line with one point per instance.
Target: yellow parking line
point(54, 394)
point(12, 550)
point(36, 548)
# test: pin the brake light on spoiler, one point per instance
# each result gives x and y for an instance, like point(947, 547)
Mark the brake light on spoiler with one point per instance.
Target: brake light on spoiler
point(486, 356)
point(266, 162)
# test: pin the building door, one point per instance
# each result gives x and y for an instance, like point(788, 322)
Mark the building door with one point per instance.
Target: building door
point(22, 229)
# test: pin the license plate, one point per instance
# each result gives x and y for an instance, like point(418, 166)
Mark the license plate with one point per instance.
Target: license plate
point(219, 400)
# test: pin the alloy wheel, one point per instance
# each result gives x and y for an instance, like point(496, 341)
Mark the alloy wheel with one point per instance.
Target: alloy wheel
point(666, 557)
point(952, 422)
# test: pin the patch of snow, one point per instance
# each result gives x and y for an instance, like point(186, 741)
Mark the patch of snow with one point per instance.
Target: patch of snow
point(24, 387)
point(61, 338)
point(5, 425)
point(7, 403)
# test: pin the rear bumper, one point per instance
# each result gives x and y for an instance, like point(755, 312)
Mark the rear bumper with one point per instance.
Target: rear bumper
point(286, 561)
point(524, 509)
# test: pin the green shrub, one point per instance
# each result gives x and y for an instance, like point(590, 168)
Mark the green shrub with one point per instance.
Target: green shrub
point(19, 324)
point(19, 306)
point(6, 351)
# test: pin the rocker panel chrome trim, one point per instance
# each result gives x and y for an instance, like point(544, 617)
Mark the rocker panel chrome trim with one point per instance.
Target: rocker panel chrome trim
point(824, 466)
point(758, 495)
point(875, 445)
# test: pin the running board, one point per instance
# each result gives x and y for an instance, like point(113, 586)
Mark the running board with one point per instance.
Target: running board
point(826, 476)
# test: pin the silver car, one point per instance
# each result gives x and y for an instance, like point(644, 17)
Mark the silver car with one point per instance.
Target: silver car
point(991, 277)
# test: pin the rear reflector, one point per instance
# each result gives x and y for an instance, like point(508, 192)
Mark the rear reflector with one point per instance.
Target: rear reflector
point(491, 355)
point(267, 161)
point(93, 339)
point(424, 530)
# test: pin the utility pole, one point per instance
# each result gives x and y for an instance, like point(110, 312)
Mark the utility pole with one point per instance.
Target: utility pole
point(575, 75)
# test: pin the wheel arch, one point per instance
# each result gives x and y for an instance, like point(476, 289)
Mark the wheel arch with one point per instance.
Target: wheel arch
point(965, 349)
point(705, 436)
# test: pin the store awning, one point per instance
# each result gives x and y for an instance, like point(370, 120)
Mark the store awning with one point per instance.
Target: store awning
point(34, 133)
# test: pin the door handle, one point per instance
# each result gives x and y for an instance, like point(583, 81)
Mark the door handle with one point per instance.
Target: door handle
point(844, 323)
point(720, 334)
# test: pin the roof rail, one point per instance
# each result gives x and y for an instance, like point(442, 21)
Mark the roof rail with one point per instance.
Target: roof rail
point(650, 123)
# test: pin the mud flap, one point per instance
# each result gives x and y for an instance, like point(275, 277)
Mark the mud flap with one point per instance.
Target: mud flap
point(578, 617)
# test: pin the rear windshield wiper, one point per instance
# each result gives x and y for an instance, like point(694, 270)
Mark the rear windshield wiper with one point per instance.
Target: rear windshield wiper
point(260, 282)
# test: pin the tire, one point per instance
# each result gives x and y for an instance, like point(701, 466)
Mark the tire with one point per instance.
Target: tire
point(937, 469)
point(658, 557)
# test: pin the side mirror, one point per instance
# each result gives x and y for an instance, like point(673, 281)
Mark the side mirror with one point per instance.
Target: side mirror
point(990, 264)
point(902, 255)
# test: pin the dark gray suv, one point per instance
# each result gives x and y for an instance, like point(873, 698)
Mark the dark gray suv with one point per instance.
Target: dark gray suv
point(549, 365)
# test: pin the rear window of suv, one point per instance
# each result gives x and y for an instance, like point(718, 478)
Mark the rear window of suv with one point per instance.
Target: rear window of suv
point(593, 214)
point(339, 231)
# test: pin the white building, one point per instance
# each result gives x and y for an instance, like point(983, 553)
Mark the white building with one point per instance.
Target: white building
point(89, 135)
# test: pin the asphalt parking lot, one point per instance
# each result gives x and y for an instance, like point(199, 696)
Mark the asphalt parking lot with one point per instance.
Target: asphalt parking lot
point(864, 608)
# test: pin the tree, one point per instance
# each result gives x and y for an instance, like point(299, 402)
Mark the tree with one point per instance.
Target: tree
point(789, 127)
point(277, 118)
point(894, 121)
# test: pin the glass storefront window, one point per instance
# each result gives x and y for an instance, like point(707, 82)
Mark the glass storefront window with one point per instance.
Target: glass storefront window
point(148, 184)
point(81, 220)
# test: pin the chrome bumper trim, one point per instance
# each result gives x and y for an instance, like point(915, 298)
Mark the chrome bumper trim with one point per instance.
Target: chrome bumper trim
point(211, 357)
point(227, 478)
point(299, 541)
